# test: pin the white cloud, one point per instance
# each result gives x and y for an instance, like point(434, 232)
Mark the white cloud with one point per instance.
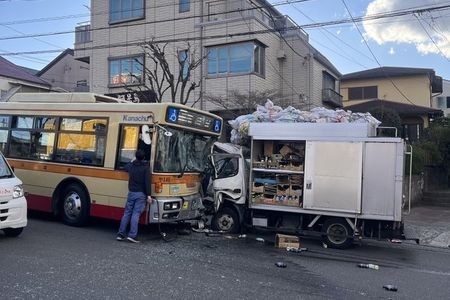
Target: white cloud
point(408, 29)
point(391, 51)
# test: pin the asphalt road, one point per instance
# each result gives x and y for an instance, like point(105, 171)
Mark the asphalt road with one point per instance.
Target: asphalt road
point(53, 261)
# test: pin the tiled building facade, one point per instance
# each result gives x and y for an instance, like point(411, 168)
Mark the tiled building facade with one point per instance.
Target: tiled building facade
point(247, 45)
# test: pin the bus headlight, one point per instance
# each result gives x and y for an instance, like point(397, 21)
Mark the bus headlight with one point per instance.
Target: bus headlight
point(171, 206)
point(18, 191)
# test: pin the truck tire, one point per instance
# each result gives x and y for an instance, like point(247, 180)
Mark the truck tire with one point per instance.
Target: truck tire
point(13, 232)
point(337, 233)
point(74, 206)
point(226, 220)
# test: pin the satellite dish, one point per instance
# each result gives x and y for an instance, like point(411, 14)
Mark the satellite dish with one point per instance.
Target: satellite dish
point(145, 132)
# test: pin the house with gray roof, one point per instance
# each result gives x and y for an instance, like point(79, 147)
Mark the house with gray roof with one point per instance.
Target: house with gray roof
point(15, 79)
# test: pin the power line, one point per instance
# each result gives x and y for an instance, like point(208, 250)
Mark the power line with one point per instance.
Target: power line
point(273, 30)
point(306, 26)
point(327, 31)
point(370, 50)
point(431, 38)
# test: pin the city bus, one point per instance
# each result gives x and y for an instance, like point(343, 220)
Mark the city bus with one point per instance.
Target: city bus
point(69, 149)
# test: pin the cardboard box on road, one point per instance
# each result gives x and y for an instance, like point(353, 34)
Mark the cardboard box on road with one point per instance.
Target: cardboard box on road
point(283, 241)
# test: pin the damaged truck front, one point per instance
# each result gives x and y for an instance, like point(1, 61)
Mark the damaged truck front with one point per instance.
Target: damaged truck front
point(335, 180)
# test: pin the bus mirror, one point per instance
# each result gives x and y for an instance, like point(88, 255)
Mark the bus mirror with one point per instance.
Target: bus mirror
point(145, 132)
point(166, 132)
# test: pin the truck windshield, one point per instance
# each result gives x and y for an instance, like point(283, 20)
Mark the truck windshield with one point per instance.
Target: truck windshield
point(183, 151)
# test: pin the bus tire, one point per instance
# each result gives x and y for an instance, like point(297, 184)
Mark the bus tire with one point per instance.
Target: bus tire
point(338, 233)
point(13, 232)
point(75, 206)
point(226, 220)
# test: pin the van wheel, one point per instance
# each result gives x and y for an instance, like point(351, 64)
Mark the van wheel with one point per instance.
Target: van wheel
point(338, 233)
point(75, 206)
point(13, 232)
point(226, 220)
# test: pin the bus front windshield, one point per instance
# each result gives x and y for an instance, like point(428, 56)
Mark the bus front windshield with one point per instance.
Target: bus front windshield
point(182, 151)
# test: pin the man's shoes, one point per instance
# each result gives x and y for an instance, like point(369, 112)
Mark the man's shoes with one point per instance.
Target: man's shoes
point(133, 240)
point(120, 237)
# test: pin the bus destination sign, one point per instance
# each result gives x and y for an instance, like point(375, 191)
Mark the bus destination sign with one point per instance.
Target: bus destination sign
point(189, 118)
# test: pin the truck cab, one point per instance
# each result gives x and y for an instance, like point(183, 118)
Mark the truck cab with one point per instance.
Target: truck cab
point(13, 205)
point(229, 188)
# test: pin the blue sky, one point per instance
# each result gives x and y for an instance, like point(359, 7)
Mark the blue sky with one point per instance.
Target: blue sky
point(419, 40)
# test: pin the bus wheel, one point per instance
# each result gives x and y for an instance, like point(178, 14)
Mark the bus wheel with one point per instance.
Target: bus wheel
point(338, 233)
point(226, 220)
point(74, 205)
point(13, 232)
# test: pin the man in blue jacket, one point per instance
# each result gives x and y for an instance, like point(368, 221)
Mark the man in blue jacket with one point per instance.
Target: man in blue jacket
point(139, 192)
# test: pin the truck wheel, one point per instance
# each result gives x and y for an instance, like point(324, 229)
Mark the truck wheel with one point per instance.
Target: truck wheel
point(338, 232)
point(74, 205)
point(13, 232)
point(226, 220)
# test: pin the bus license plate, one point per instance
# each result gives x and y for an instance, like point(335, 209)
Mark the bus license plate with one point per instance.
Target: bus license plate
point(174, 189)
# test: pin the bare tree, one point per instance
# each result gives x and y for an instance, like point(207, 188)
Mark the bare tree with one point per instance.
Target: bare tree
point(237, 103)
point(159, 77)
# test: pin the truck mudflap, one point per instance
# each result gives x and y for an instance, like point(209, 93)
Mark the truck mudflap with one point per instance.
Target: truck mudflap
point(410, 234)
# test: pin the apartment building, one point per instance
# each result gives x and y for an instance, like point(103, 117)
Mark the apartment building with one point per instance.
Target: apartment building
point(242, 45)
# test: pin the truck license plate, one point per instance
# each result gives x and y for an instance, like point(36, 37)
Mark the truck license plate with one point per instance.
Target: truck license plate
point(174, 189)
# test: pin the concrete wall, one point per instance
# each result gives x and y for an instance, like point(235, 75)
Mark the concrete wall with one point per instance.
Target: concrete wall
point(417, 188)
point(432, 179)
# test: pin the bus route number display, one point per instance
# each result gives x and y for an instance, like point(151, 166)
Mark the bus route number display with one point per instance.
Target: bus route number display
point(189, 118)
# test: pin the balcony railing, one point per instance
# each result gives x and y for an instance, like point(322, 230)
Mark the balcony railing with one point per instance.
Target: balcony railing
point(242, 8)
point(331, 97)
point(83, 34)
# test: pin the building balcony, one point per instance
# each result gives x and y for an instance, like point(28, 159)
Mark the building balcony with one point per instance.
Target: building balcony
point(332, 98)
point(83, 42)
point(239, 9)
point(83, 34)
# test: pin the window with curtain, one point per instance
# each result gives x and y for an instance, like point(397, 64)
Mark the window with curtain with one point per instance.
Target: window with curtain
point(126, 71)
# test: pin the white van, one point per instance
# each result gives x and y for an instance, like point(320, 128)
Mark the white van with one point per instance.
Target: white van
point(13, 205)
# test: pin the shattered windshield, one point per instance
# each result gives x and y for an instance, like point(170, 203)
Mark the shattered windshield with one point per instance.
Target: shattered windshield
point(183, 151)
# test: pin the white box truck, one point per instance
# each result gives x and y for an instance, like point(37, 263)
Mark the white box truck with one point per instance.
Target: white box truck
point(335, 180)
point(13, 205)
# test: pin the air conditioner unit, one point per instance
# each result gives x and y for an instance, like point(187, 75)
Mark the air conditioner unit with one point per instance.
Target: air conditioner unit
point(281, 54)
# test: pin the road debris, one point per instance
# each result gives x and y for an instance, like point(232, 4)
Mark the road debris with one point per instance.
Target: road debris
point(369, 266)
point(281, 264)
point(295, 249)
point(390, 287)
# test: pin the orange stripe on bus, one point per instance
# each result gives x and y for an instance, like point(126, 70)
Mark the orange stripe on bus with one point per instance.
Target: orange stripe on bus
point(188, 179)
point(69, 169)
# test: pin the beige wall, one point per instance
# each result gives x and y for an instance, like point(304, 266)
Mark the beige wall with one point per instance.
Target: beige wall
point(410, 90)
point(66, 72)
